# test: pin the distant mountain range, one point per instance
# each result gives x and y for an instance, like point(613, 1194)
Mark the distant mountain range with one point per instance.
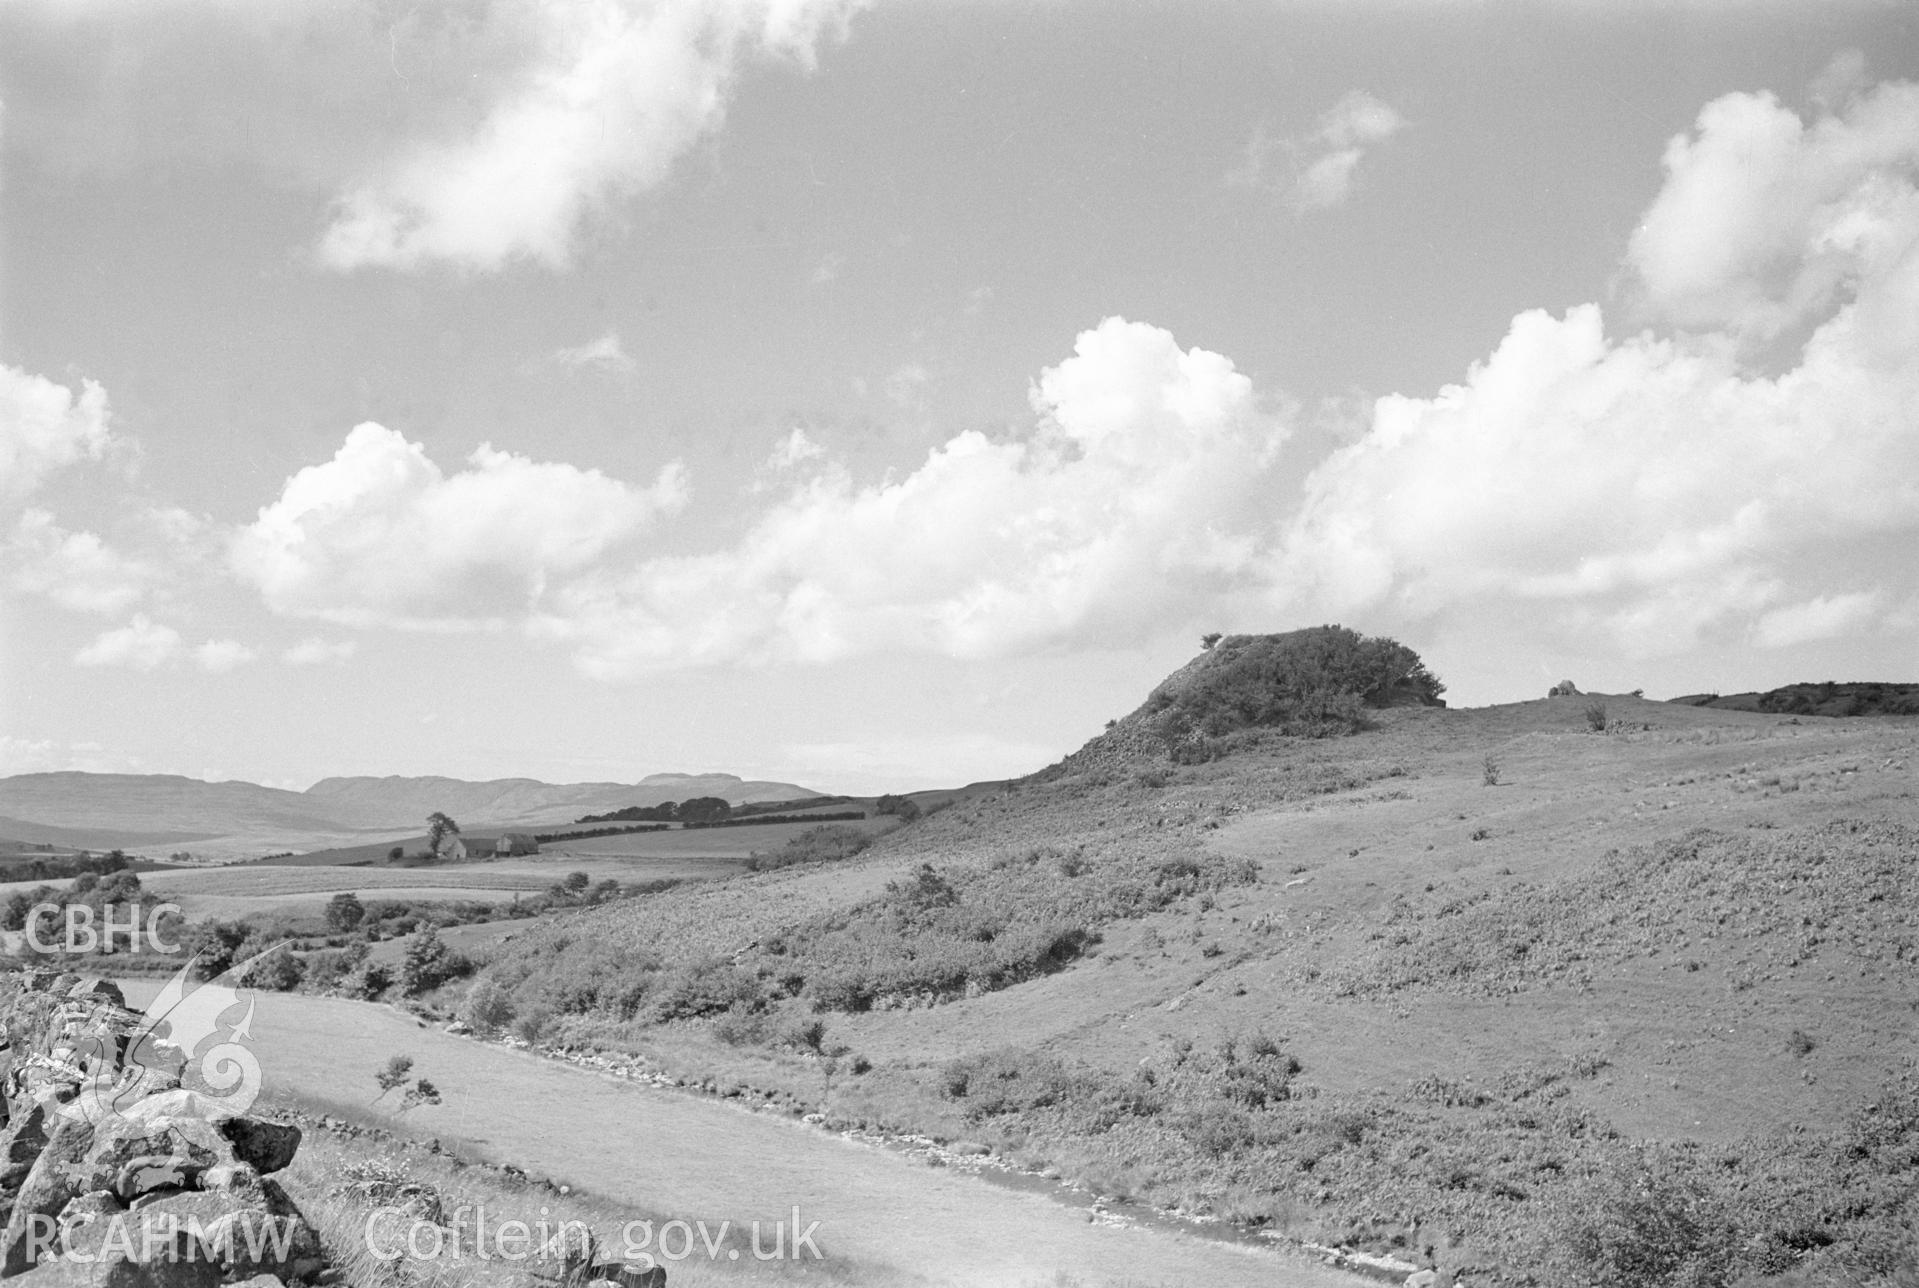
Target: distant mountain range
point(149, 809)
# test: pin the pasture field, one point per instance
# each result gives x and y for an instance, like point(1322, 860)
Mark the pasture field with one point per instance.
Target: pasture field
point(699, 842)
point(236, 891)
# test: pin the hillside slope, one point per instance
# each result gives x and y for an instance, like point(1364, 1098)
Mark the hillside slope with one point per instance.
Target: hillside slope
point(103, 810)
point(1458, 986)
point(400, 801)
point(163, 803)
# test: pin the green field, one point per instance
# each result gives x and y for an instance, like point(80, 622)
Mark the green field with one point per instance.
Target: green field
point(697, 843)
point(237, 891)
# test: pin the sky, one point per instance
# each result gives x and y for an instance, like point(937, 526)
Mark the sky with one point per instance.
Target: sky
point(881, 394)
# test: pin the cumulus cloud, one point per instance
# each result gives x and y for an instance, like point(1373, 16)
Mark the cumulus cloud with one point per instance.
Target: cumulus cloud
point(466, 135)
point(603, 354)
point(141, 645)
point(612, 92)
point(380, 535)
point(220, 656)
point(1766, 221)
point(1138, 498)
point(76, 570)
point(43, 427)
point(315, 651)
point(1652, 489)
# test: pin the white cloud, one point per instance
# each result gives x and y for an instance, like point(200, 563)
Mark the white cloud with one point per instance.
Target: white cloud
point(1765, 222)
point(1824, 617)
point(77, 570)
point(603, 354)
point(44, 427)
point(1348, 128)
point(1653, 490)
point(314, 651)
point(141, 645)
point(1138, 499)
point(610, 94)
point(380, 535)
point(220, 656)
point(796, 448)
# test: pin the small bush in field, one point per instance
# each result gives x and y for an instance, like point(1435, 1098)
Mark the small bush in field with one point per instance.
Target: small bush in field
point(1489, 771)
point(1647, 1222)
point(1597, 719)
point(486, 1008)
point(531, 1025)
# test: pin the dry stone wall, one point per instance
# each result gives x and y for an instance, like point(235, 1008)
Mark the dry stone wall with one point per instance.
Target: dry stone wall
point(113, 1174)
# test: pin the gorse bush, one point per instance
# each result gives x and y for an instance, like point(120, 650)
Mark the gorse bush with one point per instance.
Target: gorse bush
point(1645, 1222)
point(830, 842)
point(1313, 682)
point(937, 934)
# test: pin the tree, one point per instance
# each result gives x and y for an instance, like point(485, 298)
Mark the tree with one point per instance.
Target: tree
point(487, 1008)
point(215, 943)
point(395, 854)
point(398, 1069)
point(1209, 639)
point(428, 964)
point(903, 807)
point(13, 915)
point(420, 1093)
point(438, 828)
point(576, 882)
point(345, 912)
point(704, 809)
point(277, 972)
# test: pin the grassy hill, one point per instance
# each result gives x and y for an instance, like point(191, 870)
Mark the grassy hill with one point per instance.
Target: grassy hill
point(1499, 988)
point(243, 820)
point(401, 801)
point(1869, 698)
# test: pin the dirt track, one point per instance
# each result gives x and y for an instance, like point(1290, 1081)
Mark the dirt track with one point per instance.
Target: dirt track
point(699, 1159)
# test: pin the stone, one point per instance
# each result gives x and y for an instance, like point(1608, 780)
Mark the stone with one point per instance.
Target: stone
point(53, 1181)
point(101, 989)
point(239, 1237)
point(233, 1178)
point(83, 1210)
point(149, 1172)
point(127, 1250)
point(267, 1145)
point(1421, 1279)
point(618, 1275)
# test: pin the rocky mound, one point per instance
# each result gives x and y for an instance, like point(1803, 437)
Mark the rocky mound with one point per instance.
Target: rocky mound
point(113, 1173)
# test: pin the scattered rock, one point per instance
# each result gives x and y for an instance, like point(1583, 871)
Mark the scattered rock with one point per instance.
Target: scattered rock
point(103, 1151)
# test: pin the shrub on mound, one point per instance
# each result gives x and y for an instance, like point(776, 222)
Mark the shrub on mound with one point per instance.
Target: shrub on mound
point(1313, 682)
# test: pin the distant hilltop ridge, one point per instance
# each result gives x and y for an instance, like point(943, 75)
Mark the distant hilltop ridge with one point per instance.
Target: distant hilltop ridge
point(149, 804)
